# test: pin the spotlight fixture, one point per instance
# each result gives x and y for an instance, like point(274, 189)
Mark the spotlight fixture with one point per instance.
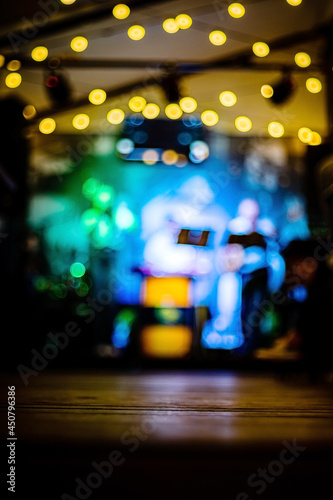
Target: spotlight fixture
point(283, 90)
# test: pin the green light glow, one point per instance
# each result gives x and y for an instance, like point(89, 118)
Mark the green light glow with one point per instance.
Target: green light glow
point(104, 197)
point(124, 218)
point(83, 290)
point(60, 291)
point(77, 269)
point(103, 232)
point(90, 187)
point(90, 218)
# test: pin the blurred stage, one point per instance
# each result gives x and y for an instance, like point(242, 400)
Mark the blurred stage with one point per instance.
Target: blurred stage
point(174, 434)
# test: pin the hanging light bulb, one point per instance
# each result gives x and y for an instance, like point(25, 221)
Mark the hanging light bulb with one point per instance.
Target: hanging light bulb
point(121, 11)
point(227, 98)
point(217, 37)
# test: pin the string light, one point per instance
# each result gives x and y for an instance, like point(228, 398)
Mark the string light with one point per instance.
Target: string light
point(173, 111)
point(137, 104)
point(29, 111)
point(267, 91)
point(14, 65)
point(79, 44)
point(47, 126)
point(13, 80)
point(170, 26)
point(39, 54)
point(217, 37)
point(188, 104)
point(183, 21)
point(97, 96)
point(2, 60)
point(243, 123)
point(315, 140)
point(305, 134)
point(115, 116)
point(81, 121)
point(313, 85)
point(151, 111)
point(121, 11)
point(302, 59)
point(260, 49)
point(276, 129)
point(67, 2)
point(209, 117)
point(227, 98)
point(236, 10)
point(136, 32)
point(294, 3)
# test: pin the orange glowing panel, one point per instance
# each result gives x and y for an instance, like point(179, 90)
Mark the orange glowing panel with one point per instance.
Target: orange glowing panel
point(166, 292)
point(161, 341)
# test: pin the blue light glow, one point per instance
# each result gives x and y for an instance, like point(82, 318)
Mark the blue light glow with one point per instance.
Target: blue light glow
point(123, 322)
point(184, 138)
point(124, 218)
point(212, 339)
point(299, 293)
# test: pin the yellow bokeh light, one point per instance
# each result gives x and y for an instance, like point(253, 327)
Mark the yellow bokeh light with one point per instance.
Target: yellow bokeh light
point(305, 134)
point(188, 104)
point(313, 85)
point(260, 49)
point(137, 104)
point(170, 26)
point(276, 129)
point(29, 111)
point(302, 59)
point(151, 111)
point(47, 126)
point(173, 111)
point(39, 53)
point(169, 157)
point(236, 10)
point(165, 341)
point(267, 91)
point(14, 65)
point(217, 37)
point(150, 157)
point(121, 11)
point(243, 123)
point(227, 98)
point(97, 96)
point(136, 32)
point(294, 3)
point(2, 60)
point(81, 121)
point(115, 116)
point(209, 117)
point(315, 140)
point(67, 2)
point(79, 44)
point(183, 21)
point(13, 80)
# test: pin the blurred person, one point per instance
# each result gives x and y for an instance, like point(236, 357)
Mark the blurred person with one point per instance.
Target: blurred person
point(315, 323)
point(251, 246)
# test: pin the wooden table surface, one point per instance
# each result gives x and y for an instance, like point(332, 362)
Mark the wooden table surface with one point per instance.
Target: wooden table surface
point(177, 434)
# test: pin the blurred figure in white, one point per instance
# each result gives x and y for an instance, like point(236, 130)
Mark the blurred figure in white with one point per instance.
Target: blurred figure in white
point(251, 245)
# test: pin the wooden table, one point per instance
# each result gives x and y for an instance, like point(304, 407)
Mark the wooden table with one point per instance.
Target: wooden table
point(178, 434)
